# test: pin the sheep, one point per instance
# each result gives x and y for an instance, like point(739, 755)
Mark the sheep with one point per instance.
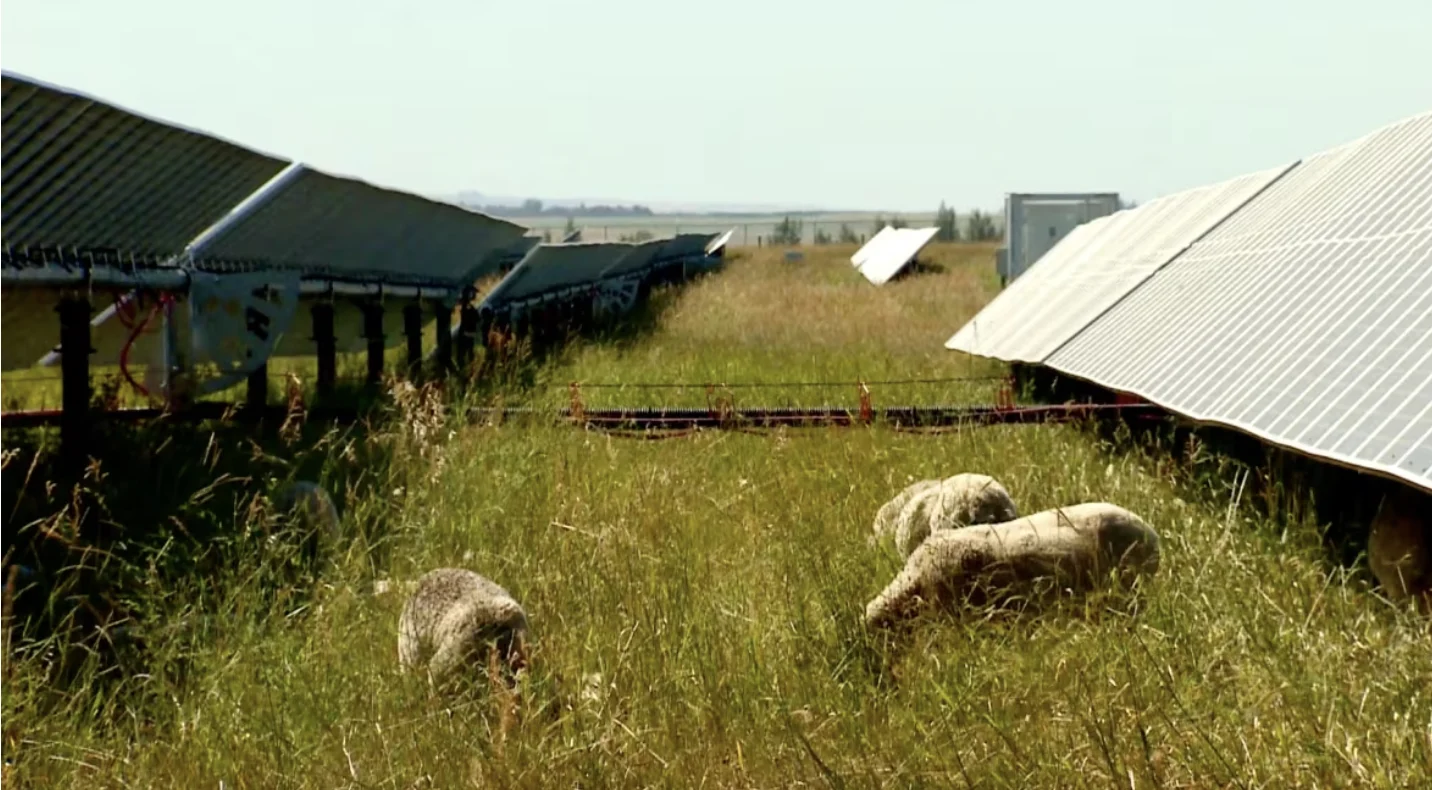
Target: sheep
point(310, 505)
point(887, 518)
point(1397, 548)
point(1075, 547)
point(455, 618)
point(956, 501)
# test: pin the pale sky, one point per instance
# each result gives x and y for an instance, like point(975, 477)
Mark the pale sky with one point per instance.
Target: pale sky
point(893, 105)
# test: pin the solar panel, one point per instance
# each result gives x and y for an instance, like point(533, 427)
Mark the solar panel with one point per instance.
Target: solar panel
point(553, 267)
point(720, 242)
point(90, 177)
point(868, 247)
point(641, 257)
point(1305, 318)
point(341, 227)
point(685, 245)
point(1095, 266)
point(893, 252)
point(1035, 222)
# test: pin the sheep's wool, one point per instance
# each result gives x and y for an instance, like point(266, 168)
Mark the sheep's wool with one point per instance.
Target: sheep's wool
point(1074, 547)
point(957, 501)
point(452, 618)
point(887, 518)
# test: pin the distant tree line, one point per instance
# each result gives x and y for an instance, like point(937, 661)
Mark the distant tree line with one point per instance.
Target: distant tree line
point(977, 226)
point(533, 207)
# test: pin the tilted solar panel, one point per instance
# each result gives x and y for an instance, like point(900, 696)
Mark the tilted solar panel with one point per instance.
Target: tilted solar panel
point(341, 227)
point(1305, 318)
point(640, 257)
point(88, 176)
point(685, 245)
point(1096, 265)
point(875, 243)
point(552, 267)
point(896, 250)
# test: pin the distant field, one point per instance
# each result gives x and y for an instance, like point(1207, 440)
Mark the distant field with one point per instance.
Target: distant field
point(749, 229)
point(695, 601)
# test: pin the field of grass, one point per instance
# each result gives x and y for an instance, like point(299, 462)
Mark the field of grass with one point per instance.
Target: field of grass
point(696, 601)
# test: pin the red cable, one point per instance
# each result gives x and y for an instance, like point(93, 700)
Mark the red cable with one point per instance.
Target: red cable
point(166, 302)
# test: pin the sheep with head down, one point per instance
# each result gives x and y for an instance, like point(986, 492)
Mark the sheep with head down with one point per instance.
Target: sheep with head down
point(457, 621)
point(1399, 547)
point(933, 505)
point(887, 518)
point(1075, 548)
point(308, 504)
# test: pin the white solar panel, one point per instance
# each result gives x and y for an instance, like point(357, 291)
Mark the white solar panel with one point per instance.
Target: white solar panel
point(1305, 318)
point(720, 242)
point(894, 252)
point(1095, 266)
point(875, 243)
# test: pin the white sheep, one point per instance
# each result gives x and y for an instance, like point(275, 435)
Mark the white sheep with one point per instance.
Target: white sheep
point(455, 619)
point(960, 501)
point(933, 505)
point(1073, 547)
point(1397, 547)
point(887, 518)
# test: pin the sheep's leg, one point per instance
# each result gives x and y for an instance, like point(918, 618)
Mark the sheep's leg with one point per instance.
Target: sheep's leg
point(504, 697)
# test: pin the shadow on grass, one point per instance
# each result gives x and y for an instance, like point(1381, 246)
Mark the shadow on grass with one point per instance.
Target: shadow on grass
point(170, 519)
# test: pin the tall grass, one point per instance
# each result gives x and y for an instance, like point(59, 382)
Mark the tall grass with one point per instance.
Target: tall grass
point(696, 603)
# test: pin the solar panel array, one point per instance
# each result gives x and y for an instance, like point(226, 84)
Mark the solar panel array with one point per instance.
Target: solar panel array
point(577, 272)
point(1304, 317)
point(89, 182)
point(1095, 266)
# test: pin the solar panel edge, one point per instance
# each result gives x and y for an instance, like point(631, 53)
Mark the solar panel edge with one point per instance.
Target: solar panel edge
point(1423, 481)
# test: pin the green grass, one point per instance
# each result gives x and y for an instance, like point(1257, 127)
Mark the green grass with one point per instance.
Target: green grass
point(716, 582)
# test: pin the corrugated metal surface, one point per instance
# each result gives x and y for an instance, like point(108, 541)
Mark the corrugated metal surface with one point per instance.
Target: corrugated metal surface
point(1306, 318)
point(893, 252)
point(1095, 266)
point(343, 227)
point(86, 175)
point(551, 267)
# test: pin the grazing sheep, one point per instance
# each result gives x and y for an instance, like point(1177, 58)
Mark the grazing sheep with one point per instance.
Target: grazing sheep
point(309, 504)
point(1074, 547)
point(887, 518)
point(456, 619)
point(958, 501)
point(1398, 550)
